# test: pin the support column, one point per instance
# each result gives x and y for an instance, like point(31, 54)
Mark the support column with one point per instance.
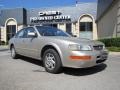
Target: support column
point(62, 26)
point(95, 36)
point(3, 34)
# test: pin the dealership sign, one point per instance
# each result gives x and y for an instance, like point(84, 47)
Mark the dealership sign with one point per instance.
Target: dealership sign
point(50, 16)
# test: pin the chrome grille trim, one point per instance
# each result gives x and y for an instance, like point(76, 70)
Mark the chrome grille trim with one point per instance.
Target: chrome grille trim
point(98, 47)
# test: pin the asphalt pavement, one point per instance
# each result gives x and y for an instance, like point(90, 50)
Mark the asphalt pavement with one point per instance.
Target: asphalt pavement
point(29, 74)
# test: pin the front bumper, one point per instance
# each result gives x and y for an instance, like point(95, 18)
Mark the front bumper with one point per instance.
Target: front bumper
point(97, 57)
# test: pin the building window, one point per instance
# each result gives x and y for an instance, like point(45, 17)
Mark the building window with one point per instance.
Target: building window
point(86, 26)
point(68, 28)
point(11, 31)
point(52, 25)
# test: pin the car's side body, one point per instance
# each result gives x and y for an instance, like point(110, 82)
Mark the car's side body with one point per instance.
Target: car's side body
point(36, 46)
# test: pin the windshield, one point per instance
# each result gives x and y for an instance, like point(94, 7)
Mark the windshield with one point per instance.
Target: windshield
point(51, 31)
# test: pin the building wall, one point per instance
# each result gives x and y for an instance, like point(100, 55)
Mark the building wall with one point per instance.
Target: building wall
point(118, 20)
point(77, 29)
point(3, 34)
point(74, 29)
point(9, 21)
point(17, 13)
point(22, 16)
point(102, 6)
point(62, 26)
point(107, 24)
point(19, 27)
point(89, 18)
point(95, 34)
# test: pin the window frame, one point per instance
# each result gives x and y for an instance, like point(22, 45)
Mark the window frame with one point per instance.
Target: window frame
point(16, 36)
point(86, 25)
point(26, 32)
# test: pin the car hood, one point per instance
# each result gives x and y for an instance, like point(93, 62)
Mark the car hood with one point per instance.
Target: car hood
point(77, 40)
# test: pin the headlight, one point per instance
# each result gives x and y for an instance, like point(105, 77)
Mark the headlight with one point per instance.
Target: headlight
point(76, 47)
point(85, 48)
point(104, 47)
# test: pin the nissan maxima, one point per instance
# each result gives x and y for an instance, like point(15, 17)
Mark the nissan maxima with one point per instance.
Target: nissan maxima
point(57, 48)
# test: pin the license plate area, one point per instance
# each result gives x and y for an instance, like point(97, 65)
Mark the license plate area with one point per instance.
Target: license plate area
point(101, 58)
point(104, 56)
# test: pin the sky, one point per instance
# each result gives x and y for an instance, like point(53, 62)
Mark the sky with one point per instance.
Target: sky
point(38, 3)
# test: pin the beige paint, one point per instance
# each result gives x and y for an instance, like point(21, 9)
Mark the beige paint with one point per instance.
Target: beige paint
point(95, 34)
point(118, 11)
point(89, 18)
point(74, 28)
point(119, 3)
point(10, 21)
point(20, 27)
point(77, 29)
point(107, 24)
point(85, 18)
point(3, 34)
point(62, 26)
point(118, 20)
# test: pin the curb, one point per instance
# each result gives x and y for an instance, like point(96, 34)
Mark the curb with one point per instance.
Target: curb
point(114, 53)
point(4, 48)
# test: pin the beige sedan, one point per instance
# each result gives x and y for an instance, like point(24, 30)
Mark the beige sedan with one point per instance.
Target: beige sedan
point(56, 48)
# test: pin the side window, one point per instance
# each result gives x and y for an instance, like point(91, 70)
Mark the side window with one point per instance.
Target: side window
point(46, 31)
point(49, 32)
point(41, 31)
point(30, 29)
point(20, 34)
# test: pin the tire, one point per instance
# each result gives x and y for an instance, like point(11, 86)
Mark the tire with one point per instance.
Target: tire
point(52, 61)
point(14, 55)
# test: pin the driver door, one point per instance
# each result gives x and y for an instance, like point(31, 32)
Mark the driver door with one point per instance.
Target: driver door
point(31, 43)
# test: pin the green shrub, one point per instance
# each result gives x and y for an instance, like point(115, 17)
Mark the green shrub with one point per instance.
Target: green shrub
point(114, 49)
point(111, 42)
point(2, 42)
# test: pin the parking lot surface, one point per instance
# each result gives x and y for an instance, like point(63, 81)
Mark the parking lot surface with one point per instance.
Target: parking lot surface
point(29, 74)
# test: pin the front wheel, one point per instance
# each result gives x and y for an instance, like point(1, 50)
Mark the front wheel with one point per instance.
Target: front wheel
point(13, 53)
point(52, 61)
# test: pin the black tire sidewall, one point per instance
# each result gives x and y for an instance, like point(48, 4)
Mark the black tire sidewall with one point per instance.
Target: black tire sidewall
point(58, 64)
point(15, 55)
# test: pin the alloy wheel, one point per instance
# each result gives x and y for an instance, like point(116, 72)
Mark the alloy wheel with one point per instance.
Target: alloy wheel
point(50, 61)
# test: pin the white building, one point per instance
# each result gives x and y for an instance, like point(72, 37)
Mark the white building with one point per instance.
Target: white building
point(77, 20)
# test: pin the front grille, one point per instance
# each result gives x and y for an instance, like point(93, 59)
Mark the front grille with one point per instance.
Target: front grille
point(98, 47)
point(100, 61)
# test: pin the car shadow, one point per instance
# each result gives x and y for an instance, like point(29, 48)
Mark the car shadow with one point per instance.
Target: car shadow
point(84, 71)
point(31, 60)
point(68, 71)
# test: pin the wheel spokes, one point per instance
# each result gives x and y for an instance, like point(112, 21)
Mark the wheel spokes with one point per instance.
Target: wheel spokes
point(50, 61)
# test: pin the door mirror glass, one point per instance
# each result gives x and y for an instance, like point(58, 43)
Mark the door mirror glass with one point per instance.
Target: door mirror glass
point(32, 34)
point(74, 35)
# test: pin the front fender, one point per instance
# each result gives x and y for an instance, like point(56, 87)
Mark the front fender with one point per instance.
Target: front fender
point(57, 48)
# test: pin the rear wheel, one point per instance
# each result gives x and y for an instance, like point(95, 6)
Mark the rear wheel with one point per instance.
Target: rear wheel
point(14, 55)
point(52, 61)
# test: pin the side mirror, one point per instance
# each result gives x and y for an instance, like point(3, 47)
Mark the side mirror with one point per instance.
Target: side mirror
point(74, 35)
point(32, 34)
